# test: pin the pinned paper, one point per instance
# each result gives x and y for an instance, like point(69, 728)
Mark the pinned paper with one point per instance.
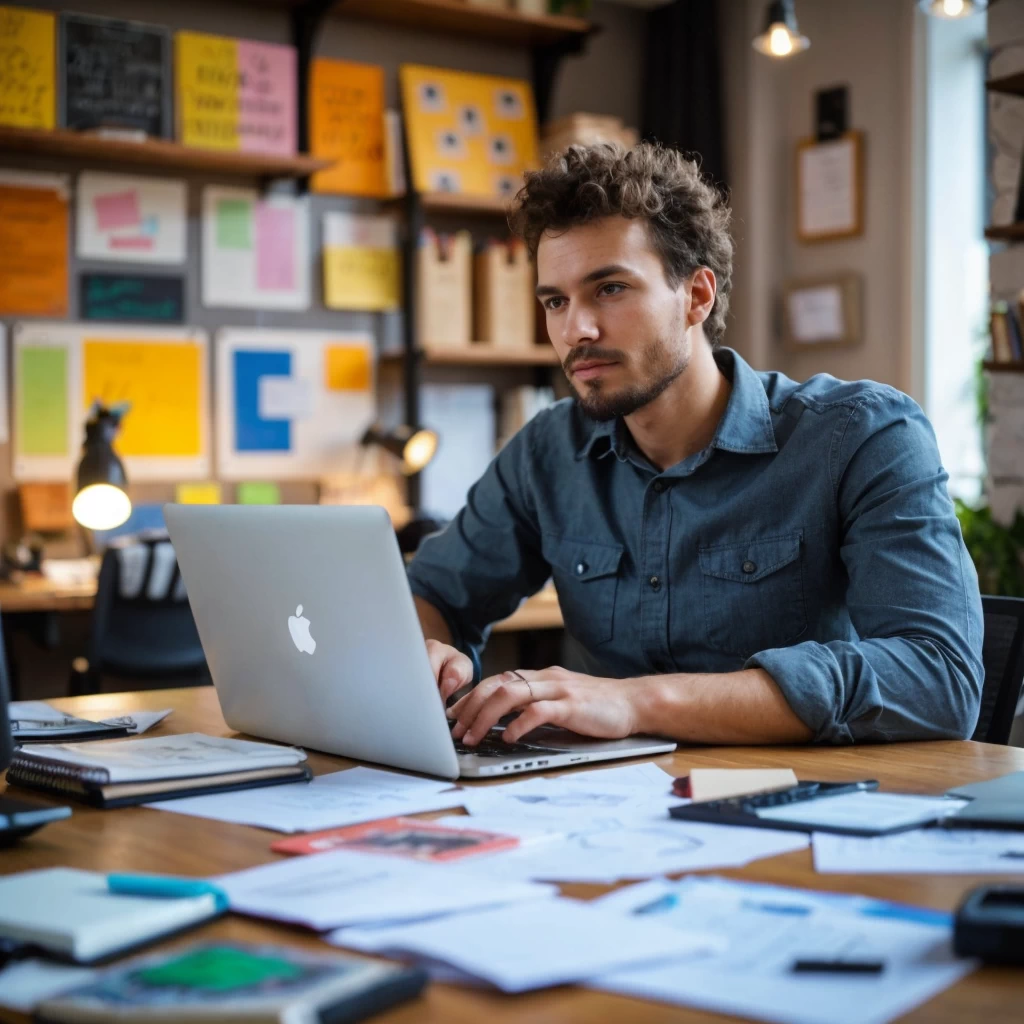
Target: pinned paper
point(235, 94)
point(131, 219)
point(33, 244)
point(197, 494)
point(41, 377)
point(254, 492)
point(28, 91)
point(347, 368)
point(255, 251)
point(284, 398)
point(347, 126)
point(362, 269)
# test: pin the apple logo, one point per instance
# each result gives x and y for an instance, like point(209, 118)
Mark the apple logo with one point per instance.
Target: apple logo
point(298, 626)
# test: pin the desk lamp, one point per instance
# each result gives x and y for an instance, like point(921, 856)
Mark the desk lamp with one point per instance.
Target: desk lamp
point(101, 502)
point(413, 446)
point(952, 8)
point(781, 36)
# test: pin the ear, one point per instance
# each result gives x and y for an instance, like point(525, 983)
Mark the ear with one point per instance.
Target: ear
point(703, 287)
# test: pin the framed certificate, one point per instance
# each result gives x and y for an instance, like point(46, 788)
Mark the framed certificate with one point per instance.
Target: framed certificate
point(822, 312)
point(830, 188)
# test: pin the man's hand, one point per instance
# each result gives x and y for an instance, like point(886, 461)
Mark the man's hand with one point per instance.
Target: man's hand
point(452, 669)
point(591, 706)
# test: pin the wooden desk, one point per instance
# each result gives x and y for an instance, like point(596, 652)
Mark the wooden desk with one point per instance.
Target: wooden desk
point(38, 594)
point(141, 839)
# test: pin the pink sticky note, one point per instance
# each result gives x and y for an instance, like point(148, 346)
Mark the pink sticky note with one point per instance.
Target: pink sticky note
point(275, 247)
point(266, 98)
point(117, 210)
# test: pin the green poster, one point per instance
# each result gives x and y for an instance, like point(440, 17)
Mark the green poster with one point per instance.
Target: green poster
point(43, 400)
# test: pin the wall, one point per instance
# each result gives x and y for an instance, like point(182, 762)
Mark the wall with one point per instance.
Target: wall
point(868, 45)
point(606, 79)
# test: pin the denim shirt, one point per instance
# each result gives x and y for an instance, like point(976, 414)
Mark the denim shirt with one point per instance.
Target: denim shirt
point(813, 538)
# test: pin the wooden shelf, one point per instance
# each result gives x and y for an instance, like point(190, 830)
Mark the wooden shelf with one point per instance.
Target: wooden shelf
point(1006, 232)
point(483, 355)
point(457, 17)
point(1010, 85)
point(159, 153)
point(455, 202)
point(993, 367)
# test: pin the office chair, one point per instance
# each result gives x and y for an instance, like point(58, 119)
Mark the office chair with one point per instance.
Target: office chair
point(142, 623)
point(1003, 657)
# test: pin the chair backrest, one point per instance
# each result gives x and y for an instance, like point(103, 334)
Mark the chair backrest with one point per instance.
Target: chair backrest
point(142, 622)
point(1003, 657)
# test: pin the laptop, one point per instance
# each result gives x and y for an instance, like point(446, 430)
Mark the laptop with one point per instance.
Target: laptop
point(312, 638)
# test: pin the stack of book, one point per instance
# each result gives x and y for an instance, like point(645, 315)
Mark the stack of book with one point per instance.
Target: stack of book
point(1007, 328)
point(118, 773)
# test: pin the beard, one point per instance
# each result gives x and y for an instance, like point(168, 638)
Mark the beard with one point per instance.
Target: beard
point(599, 403)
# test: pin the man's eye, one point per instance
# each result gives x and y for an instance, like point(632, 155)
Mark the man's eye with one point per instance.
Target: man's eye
point(611, 288)
point(554, 303)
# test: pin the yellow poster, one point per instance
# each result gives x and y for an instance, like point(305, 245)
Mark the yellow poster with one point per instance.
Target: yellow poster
point(467, 133)
point(362, 269)
point(28, 73)
point(197, 494)
point(162, 381)
point(207, 83)
point(346, 124)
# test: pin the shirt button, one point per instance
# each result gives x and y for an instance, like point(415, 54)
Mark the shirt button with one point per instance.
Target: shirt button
point(659, 486)
point(749, 567)
point(581, 568)
point(655, 583)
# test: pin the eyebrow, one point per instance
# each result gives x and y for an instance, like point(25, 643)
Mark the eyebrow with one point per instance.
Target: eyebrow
point(595, 275)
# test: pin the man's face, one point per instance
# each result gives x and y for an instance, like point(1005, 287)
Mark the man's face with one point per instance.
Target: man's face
point(619, 328)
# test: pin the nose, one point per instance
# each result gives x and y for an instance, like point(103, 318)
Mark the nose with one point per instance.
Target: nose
point(580, 326)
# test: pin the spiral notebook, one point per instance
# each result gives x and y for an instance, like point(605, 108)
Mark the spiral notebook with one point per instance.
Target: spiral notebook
point(117, 773)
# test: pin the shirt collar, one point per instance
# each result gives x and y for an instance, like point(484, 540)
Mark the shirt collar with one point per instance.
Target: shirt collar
point(745, 427)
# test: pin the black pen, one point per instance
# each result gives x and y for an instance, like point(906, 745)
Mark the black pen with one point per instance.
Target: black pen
point(838, 966)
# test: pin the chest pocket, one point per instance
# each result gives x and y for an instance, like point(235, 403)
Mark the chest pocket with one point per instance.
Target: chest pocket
point(586, 576)
point(753, 593)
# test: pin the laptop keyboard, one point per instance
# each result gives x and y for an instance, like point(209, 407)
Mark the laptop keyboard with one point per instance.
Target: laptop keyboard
point(493, 746)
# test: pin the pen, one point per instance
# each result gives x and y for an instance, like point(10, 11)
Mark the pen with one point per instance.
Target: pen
point(838, 966)
point(166, 887)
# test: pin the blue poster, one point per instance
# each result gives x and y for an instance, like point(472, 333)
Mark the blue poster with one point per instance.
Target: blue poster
point(253, 434)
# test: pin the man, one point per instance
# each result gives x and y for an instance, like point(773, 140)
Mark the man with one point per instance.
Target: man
point(743, 559)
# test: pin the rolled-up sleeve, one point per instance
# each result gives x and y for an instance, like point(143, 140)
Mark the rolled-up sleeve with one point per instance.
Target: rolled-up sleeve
point(916, 671)
point(479, 568)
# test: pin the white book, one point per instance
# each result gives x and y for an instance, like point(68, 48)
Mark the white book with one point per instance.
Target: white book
point(183, 756)
point(72, 913)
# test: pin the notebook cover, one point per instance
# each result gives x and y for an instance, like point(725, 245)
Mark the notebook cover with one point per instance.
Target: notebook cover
point(94, 795)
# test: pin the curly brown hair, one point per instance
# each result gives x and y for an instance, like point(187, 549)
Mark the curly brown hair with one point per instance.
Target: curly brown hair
point(688, 216)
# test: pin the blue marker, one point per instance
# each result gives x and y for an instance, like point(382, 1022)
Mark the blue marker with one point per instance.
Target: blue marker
point(166, 887)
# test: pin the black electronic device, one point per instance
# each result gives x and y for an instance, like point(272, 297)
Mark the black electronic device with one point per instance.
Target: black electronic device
point(989, 924)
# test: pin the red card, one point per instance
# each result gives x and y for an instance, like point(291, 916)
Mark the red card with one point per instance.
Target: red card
point(401, 837)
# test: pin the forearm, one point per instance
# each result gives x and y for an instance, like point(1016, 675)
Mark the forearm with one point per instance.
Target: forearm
point(745, 707)
point(432, 621)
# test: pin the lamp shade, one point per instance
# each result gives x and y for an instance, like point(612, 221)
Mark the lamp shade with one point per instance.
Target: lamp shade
point(413, 446)
point(781, 36)
point(101, 501)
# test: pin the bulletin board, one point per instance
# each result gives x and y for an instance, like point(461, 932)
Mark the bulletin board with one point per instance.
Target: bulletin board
point(60, 368)
point(466, 133)
point(291, 404)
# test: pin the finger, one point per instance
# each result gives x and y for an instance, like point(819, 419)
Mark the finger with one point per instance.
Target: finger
point(437, 652)
point(541, 712)
point(456, 672)
point(504, 699)
point(465, 709)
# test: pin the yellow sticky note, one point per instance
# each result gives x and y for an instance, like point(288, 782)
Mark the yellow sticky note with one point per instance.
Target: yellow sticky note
point(207, 83)
point(28, 72)
point(363, 279)
point(347, 368)
point(197, 494)
point(161, 380)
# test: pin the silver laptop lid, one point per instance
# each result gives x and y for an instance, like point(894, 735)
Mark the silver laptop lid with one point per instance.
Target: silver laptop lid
point(310, 630)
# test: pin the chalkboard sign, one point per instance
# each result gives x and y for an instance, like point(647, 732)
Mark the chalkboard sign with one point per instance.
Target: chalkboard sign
point(115, 74)
point(137, 298)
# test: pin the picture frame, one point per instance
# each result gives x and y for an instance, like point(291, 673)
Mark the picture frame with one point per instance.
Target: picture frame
point(830, 188)
point(822, 312)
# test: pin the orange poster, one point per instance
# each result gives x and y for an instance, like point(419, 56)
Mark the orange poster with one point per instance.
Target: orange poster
point(346, 124)
point(33, 245)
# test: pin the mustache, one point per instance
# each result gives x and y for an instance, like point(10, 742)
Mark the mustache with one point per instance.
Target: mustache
point(590, 354)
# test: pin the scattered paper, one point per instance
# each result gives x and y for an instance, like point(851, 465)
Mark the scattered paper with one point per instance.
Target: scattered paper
point(868, 811)
point(35, 719)
point(25, 983)
point(70, 572)
point(522, 947)
point(768, 928)
point(333, 890)
point(341, 798)
point(935, 851)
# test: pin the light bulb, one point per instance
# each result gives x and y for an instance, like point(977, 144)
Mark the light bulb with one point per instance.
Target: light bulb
point(101, 507)
point(780, 42)
point(419, 450)
point(953, 8)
